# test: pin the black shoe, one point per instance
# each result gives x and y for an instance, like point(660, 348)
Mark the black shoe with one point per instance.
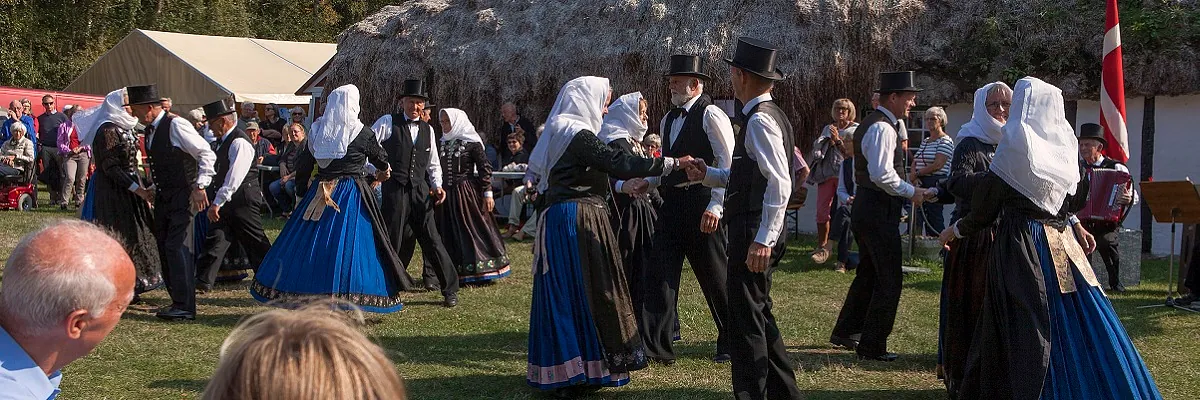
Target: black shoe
point(849, 344)
point(175, 314)
point(721, 358)
point(1118, 288)
point(451, 301)
point(663, 361)
point(1185, 300)
point(431, 287)
point(203, 288)
point(885, 357)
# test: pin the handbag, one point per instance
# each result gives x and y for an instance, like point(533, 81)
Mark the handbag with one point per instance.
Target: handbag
point(824, 162)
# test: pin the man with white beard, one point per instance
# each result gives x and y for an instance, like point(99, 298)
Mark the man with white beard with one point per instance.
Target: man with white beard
point(692, 228)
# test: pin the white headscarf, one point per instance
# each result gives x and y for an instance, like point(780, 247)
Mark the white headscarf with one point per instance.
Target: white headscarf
point(982, 126)
point(624, 119)
point(1039, 153)
point(88, 121)
point(339, 126)
point(460, 127)
point(579, 106)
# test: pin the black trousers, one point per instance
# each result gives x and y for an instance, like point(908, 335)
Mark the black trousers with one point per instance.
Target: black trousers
point(1106, 245)
point(173, 218)
point(677, 236)
point(407, 208)
point(52, 172)
point(241, 221)
point(428, 273)
point(874, 296)
point(759, 359)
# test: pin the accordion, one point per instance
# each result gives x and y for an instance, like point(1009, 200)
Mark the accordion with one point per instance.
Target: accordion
point(1106, 186)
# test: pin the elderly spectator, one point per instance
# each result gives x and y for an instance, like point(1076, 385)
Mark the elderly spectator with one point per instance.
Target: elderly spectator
point(297, 116)
point(196, 117)
point(262, 147)
point(16, 154)
point(16, 114)
point(76, 159)
point(284, 189)
point(514, 123)
point(166, 104)
point(58, 302)
point(312, 353)
point(653, 144)
point(930, 166)
point(248, 115)
point(827, 155)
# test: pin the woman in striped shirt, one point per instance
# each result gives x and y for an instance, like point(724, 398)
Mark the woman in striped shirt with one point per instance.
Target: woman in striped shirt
point(932, 164)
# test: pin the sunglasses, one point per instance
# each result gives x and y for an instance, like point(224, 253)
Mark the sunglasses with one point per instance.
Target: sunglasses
point(48, 104)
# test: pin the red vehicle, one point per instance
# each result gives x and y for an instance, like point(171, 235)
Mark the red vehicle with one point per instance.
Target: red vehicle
point(8, 94)
point(17, 192)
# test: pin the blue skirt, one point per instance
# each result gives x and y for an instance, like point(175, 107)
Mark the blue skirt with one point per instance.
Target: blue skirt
point(1091, 356)
point(85, 211)
point(565, 346)
point(335, 257)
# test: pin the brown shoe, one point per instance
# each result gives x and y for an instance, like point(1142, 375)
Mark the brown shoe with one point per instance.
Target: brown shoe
point(841, 267)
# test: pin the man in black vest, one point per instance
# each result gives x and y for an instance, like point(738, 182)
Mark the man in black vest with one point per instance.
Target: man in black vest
point(759, 184)
point(1091, 150)
point(415, 185)
point(869, 312)
point(181, 167)
point(692, 228)
point(236, 210)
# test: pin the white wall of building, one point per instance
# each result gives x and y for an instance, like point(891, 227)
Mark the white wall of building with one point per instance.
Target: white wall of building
point(1176, 152)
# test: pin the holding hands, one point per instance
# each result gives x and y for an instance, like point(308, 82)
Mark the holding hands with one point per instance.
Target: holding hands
point(696, 169)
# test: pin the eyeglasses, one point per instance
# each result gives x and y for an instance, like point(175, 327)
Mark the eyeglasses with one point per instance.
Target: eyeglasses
point(997, 104)
point(842, 108)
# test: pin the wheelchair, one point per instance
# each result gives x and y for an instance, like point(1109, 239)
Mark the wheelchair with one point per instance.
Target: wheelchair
point(19, 192)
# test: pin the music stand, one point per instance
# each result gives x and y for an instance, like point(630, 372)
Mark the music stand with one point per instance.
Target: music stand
point(1174, 202)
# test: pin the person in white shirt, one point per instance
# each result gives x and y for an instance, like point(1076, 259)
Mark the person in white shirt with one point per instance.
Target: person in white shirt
point(236, 210)
point(758, 183)
point(869, 312)
point(1091, 151)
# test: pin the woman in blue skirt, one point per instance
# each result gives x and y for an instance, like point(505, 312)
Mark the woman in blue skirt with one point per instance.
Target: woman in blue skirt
point(582, 331)
point(1045, 329)
point(334, 245)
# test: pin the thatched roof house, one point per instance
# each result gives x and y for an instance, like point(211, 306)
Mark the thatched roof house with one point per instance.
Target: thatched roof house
point(479, 53)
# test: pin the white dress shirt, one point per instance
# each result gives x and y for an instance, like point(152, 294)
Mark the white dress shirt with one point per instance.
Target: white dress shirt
point(383, 132)
point(185, 137)
point(879, 147)
point(764, 145)
point(241, 158)
point(720, 137)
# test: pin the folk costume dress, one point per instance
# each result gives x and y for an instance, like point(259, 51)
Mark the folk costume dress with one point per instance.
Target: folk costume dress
point(1045, 330)
point(633, 215)
point(582, 329)
point(966, 263)
point(113, 202)
point(335, 244)
point(469, 232)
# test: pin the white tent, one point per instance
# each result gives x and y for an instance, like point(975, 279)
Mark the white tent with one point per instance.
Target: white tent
point(194, 70)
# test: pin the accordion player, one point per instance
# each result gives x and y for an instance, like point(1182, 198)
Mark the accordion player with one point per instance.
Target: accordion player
point(1107, 186)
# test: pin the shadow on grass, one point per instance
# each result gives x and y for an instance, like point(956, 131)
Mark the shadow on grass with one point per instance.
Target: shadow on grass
point(875, 394)
point(817, 358)
point(481, 386)
point(213, 320)
point(187, 385)
point(461, 351)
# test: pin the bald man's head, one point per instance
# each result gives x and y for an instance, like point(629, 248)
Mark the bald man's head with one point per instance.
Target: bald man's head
point(67, 283)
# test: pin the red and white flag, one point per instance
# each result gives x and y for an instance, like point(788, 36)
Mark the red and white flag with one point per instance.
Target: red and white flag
point(1112, 89)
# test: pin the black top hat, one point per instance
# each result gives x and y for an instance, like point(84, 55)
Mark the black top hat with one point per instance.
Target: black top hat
point(1092, 131)
point(216, 109)
point(895, 82)
point(757, 57)
point(414, 88)
point(687, 65)
point(147, 94)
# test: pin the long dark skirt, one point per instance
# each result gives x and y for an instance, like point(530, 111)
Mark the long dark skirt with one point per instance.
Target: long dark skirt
point(470, 235)
point(634, 225)
point(582, 329)
point(964, 284)
point(123, 212)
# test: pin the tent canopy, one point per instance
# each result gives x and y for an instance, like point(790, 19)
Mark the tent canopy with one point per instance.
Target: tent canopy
point(194, 70)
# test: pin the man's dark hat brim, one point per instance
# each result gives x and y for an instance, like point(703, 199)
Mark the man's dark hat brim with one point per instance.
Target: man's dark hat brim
point(897, 82)
point(217, 109)
point(696, 75)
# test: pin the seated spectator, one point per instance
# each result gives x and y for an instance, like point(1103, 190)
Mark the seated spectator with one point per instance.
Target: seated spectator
point(517, 161)
point(263, 148)
point(312, 353)
point(653, 144)
point(58, 302)
point(284, 189)
point(297, 117)
point(16, 154)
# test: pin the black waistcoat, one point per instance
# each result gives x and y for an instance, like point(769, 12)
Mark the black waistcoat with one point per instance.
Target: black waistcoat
point(692, 140)
point(170, 166)
point(224, 164)
point(747, 186)
point(410, 161)
point(862, 176)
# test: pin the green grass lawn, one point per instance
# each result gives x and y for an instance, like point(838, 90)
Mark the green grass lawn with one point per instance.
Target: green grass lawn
point(477, 350)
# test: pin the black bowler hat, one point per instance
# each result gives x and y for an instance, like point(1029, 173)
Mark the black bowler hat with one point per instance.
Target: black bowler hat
point(756, 57)
point(1092, 131)
point(414, 88)
point(216, 109)
point(896, 82)
point(146, 94)
point(687, 65)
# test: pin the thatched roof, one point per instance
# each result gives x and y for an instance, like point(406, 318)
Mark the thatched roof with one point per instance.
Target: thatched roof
point(479, 53)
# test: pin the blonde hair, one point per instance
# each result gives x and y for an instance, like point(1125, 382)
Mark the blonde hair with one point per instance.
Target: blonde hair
point(312, 353)
point(842, 102)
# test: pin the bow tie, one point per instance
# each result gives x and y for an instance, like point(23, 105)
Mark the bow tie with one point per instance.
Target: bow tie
point(680, 111)
point(412, 121)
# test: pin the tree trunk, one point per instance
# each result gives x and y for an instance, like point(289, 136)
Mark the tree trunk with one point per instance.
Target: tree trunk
point(1146, 217)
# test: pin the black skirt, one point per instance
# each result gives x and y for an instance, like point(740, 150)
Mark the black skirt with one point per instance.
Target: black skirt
point(964, 284)
point(470, 235)
point(130, 217)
